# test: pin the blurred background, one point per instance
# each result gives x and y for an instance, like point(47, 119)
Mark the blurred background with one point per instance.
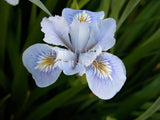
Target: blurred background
point(138, 45)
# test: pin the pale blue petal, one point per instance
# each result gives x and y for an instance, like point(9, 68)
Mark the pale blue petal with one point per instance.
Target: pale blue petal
point(105, 87)
point(87, 58)
point(69, 14)
point(79, 32)
point(56, 31)
point(102, 33)
point(12, 2)
point(30, 58)
point(70, 68)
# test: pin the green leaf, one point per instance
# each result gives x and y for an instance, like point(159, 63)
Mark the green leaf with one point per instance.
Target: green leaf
point(143, 50)
point(135, 100)
point(33, 16)
point(19, 79)
point(19, 30)
point(82, 3)
point(41, 5)
point(129, 8)
point(4, 15)
point(150, 110)
point(3, 100)
point(3, 80)
point(104, 6)
point(87, 103)
point(135, 29)
point(116, 7)
point(14, 41)
point(35, 34)
point(20, 84)
point(75, 5)
point(145, 70)
point(57, 101)
point(37, 93)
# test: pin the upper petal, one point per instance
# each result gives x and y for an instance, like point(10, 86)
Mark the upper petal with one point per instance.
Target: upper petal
point(102, 33)
point(106, 76)
point(56, 31)
point(79, 32)
point(39, 59)
point(69, 14)
point(13, 2)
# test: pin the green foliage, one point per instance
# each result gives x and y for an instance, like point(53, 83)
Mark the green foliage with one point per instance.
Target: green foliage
point(41, 5)
point(138, 45)
point(151, 110)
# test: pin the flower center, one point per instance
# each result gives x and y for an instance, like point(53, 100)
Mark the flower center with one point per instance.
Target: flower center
point(46, 62)
point(83, 17)
point(102, 68)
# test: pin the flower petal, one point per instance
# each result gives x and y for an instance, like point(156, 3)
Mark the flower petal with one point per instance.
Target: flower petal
point(88, 57)
point(68, 61)
point(56, 31)
point(70, 68)
point(107, 76)
point(79, 35)
point(64, 54)
point(102, 33)
point(69, 14)
point(12, 2)
point(39, 61)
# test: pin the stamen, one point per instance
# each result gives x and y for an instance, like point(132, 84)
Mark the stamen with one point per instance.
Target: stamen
point(102, 68)
point(83, 17)
point(46, 62)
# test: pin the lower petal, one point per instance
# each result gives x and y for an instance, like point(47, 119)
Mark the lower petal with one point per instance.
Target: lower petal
point(107, 76)
point(39, 59)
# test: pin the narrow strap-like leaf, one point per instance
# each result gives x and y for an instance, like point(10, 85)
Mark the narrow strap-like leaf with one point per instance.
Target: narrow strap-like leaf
point(41, 5)
point(155, 106)
point(129, 8)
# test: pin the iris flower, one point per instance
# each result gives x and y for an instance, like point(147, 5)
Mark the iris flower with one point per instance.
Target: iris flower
point(79, 38)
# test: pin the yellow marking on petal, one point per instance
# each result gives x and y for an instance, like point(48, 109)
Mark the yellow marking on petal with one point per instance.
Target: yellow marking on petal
point(46, 62)
point(83, 17)
point(101, 67)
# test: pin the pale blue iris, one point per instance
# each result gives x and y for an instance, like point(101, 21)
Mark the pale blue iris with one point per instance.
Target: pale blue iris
point(83, 35)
